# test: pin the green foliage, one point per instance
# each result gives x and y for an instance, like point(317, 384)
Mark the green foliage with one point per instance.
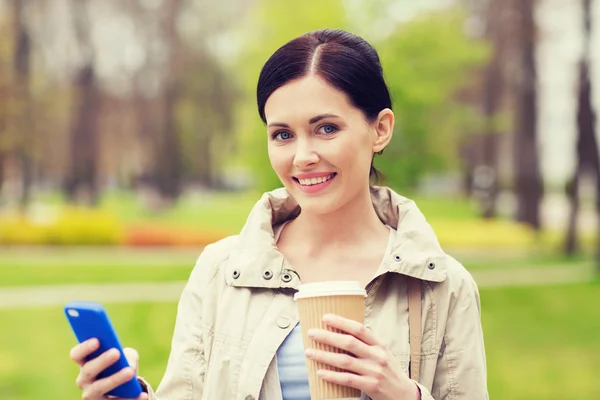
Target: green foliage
point(204, 112)
point(425, 61)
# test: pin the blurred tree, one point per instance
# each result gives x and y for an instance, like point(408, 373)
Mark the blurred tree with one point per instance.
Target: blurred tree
point(183, 97)
point(493, 93)
point(168, 164)
point(81, 185)
point(23, 126)
point(5, 57)
point(426, 61)
point(528, 182)
point(205, 116)
point(588, 160)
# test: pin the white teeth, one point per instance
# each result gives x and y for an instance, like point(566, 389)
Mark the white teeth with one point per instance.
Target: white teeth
point(314, 181)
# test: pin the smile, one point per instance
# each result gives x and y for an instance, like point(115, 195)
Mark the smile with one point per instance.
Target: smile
point(315, 184)
point(315, 181)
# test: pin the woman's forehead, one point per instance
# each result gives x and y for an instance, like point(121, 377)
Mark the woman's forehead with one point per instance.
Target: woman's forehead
point(305, 98)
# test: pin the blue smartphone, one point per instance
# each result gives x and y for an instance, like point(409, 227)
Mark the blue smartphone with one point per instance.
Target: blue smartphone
point(90, 320)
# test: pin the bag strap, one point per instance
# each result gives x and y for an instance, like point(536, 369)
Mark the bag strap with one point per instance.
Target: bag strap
point(414, 326)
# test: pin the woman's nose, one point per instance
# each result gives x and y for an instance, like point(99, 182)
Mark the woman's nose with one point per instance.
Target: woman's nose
point(305, 154)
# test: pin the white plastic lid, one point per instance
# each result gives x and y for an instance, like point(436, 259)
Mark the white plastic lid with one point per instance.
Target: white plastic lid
point(330, 288)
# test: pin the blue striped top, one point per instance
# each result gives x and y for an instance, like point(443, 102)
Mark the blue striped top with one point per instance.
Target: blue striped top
point(293, 374)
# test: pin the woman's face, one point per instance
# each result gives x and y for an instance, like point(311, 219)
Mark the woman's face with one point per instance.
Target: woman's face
point(320, 145)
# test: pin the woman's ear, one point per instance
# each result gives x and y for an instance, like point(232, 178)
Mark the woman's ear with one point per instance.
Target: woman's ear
point(384, 129)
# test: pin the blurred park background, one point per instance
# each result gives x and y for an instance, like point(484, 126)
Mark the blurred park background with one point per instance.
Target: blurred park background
point(129, 139)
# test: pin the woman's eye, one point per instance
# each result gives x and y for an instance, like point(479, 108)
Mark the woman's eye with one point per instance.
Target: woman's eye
point(328, 129)
point(283, 135)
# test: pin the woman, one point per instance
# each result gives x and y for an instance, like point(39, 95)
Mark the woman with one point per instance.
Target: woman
point(327, 112)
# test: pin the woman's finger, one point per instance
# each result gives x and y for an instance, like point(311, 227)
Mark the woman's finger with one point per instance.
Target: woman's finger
point(365, 384)
point(352, 327)
point(92, 368)
point(342, 341)
point(84, 349)
point(339, 360)
point(102, 386)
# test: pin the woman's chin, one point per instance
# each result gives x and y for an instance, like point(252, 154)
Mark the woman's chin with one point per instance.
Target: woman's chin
point(316, 206)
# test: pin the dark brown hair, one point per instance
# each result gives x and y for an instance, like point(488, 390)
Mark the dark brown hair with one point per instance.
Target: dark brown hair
point(345, 61)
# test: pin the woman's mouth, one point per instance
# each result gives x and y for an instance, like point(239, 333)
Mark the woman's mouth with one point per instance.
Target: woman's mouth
point(314, 184)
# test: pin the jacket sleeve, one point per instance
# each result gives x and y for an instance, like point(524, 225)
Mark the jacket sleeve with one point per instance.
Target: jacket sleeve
point(461, 372)
point(186, 367)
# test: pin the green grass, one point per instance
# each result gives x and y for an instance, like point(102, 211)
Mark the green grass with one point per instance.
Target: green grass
point(71, 265)
point(99, 265)
point(223, 211)
point(524, 260)
point(542, 343)
point(229, 210)
point(34, 361)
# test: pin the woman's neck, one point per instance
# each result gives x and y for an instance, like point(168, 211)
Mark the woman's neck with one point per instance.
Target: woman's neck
point(354, 223)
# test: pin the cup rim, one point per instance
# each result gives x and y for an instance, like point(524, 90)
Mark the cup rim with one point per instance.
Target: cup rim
point(330, 288)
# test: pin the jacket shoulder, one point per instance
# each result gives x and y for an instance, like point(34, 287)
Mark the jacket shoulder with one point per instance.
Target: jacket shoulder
point(212, 257)
point(219, 250)
point(459, 283)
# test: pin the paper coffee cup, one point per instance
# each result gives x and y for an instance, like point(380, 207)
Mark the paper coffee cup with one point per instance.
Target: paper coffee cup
point(343, 298)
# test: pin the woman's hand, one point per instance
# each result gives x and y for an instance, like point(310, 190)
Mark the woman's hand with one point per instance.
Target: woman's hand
point(373, 371)
point(94, 389)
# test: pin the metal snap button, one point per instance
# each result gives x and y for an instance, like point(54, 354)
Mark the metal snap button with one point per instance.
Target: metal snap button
point(283, 322)
point(431, 265)
point(286, 277)
point(236, 274)
point(267, 274)
point(397, 258)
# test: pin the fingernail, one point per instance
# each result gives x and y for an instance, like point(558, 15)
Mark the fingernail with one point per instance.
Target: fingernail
point(309, 353)
point(327, 318)
point(312, 333)
point(93, 343)
point(127, 371)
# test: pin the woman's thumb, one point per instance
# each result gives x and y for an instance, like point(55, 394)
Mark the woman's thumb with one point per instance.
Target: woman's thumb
point(132, 358)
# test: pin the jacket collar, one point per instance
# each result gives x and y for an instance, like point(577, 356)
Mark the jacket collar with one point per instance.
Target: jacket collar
point(256, 262)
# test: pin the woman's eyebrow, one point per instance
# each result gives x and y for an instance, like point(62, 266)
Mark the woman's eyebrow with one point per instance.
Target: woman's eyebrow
point(310, 121)
point(281, 124)
point(320, 117)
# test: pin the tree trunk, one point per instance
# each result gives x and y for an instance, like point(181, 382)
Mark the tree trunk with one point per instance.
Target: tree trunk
point(81, 186)
point(167, 155)
point(24, 119)
point(492, 95)
point(168, 152)
point(588, 159)
point(492, 99)
point(571, 238)
point(82, 177)
point(528, 182)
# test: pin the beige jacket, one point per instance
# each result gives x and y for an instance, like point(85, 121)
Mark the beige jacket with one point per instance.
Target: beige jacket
point(238, 307)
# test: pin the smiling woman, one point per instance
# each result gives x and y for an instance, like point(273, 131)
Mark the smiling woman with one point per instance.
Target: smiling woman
point(327, 111)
